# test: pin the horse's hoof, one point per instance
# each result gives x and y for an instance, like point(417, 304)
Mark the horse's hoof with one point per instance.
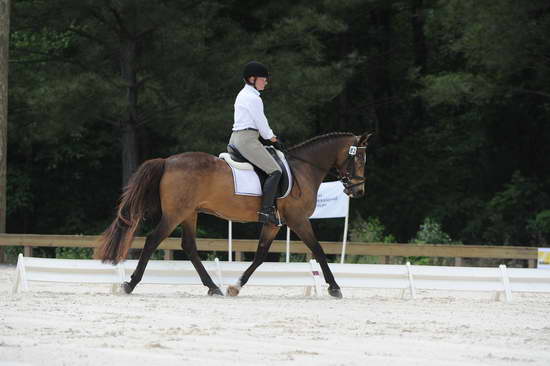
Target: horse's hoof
point(127, 288)
point(215, 292)
point(335, 292)
point(233, 290)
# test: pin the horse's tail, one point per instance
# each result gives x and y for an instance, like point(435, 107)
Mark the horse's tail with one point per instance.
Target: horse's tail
point(141, 197)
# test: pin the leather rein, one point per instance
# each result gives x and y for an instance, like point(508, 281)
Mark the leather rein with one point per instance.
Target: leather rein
point(348, 173)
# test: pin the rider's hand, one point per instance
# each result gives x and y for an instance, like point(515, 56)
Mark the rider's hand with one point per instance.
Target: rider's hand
point(273, 139)
point(279, 146)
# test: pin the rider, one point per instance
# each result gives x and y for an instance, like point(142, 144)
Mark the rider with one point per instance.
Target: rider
point(250, 123)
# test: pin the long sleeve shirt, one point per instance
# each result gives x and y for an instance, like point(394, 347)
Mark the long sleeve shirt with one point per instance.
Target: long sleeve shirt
point(249, 112)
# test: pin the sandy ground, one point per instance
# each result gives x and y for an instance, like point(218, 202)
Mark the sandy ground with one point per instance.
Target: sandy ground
point(62, 324)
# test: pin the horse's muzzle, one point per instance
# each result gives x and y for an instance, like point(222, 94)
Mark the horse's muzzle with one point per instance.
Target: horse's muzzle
point(354, 192)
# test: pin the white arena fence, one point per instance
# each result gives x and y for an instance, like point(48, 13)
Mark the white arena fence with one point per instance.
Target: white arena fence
point(407, 278)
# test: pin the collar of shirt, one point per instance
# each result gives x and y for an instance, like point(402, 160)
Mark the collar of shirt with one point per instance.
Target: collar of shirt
point(252, 89)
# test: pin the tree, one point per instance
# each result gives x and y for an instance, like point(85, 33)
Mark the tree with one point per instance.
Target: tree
point(71, 102)
point(120, 52)
point(488, 92)
point(4, 52)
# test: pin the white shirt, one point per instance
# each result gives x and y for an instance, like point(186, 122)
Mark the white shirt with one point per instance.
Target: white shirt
point(249, 112)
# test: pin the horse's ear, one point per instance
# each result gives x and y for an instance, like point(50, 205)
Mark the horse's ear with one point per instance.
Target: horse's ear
point(365, 138)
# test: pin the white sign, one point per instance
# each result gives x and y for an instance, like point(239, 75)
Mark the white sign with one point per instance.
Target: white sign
point(544, 258)
point(331, 201)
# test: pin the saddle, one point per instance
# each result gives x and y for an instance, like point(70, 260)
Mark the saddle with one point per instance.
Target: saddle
point(236, 161)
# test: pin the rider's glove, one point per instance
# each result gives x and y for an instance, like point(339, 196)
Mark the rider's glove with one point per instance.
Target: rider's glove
point(279, 146)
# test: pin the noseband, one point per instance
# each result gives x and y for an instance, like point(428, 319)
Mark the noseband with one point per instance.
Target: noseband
point(348, 169)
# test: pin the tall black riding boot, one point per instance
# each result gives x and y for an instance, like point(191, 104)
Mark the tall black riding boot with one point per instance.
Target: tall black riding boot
point(267, 214)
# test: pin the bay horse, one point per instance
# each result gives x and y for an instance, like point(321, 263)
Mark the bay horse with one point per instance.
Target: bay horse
point(174, 190)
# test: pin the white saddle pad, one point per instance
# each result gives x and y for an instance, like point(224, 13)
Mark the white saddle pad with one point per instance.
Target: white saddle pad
point(247, 182)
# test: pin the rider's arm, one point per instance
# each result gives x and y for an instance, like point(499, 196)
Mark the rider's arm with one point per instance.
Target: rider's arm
point(256, 109)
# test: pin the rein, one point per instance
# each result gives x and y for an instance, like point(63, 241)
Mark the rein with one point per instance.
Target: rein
point(310, 163)
point(348, 176)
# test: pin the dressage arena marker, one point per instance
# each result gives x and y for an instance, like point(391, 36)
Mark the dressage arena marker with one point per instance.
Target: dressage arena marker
point(407, 278)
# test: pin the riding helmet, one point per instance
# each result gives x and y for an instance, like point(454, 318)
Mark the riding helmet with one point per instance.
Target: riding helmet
point(254, 68)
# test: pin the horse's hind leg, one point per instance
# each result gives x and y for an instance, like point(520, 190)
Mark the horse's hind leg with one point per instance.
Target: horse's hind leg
point(266, 238)
point(304, 230)
point(189, 245)
point(161, 232)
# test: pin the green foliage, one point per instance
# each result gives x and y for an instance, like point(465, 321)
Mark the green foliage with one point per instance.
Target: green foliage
point(74, 253)
point(539, 227)
point(158, 254)
point(18, 192)
point(458, 104)
point(362, 259)
point(516, 204)
point(455, 89)
point(294, 257)
point(369, 231)
point(431, 233)
point(11, 253)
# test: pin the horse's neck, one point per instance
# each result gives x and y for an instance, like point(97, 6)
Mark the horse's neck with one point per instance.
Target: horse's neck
point(317, 162)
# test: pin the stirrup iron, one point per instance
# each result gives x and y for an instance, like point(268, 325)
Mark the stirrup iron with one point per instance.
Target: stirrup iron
point(271, 216)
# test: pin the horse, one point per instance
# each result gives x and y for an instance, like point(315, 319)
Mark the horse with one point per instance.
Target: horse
point(172, 191)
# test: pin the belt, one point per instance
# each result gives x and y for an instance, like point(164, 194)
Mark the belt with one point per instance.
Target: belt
point(247, 129)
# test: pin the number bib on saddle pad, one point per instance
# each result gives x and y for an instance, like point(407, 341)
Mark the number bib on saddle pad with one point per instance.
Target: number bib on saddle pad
point(248, 179)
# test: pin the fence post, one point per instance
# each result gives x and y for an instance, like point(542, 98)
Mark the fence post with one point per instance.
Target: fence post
point(238, 256)
point(411, 280)
point(21, 281)
point(27, 251)
point(505, 282)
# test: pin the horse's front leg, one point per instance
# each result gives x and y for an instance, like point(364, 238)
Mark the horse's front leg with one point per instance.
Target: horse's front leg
point(267, 235)
point(304, 230)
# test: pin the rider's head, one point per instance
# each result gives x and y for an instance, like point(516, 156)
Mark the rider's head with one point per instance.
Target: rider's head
point(255, 74)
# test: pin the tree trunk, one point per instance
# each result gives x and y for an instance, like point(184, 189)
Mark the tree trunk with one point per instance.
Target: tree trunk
point(129, 152)
point(126, 20)
point(4, 52)
point(343, 101)
point(420, 55)
point(419, 38)
point(389, 129)
point(130, 155)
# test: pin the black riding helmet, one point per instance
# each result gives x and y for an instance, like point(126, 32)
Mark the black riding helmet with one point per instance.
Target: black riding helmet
point(254, 68)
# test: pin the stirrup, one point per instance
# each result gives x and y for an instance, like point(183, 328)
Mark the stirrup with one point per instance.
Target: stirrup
point(270, 216)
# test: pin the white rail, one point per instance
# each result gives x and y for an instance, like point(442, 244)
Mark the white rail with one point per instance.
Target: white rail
point(499, 280)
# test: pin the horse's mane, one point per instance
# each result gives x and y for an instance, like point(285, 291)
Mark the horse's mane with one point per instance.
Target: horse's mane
point(322, 138)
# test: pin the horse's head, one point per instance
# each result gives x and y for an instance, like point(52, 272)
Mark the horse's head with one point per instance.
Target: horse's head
point(351, 165)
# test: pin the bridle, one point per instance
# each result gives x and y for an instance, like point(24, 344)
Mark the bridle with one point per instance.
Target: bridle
point(347, 173)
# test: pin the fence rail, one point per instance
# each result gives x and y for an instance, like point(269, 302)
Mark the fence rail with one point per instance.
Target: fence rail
point(383, 250)
point(407, 278)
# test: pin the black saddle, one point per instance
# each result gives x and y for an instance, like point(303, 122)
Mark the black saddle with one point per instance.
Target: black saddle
point(283, 183)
